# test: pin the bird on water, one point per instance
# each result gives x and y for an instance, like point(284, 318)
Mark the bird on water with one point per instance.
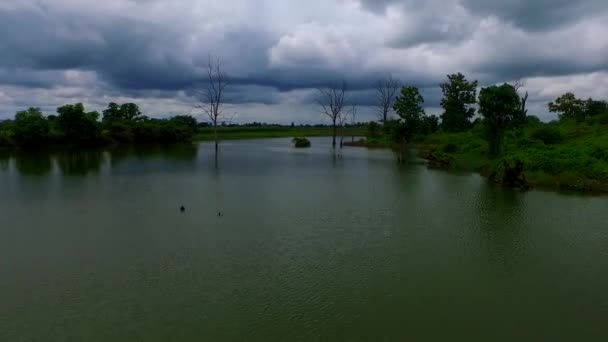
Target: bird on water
point(182, 209)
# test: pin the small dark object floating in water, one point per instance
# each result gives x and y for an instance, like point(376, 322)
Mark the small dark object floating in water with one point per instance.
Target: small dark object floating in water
point(182, 209)
point(219, 213)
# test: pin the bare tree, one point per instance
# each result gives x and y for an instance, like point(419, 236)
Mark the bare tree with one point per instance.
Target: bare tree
point(212, 98)
point(386, 90)
point(353, 113)
point(332, 101)
point(342, 119)
point(523, 111)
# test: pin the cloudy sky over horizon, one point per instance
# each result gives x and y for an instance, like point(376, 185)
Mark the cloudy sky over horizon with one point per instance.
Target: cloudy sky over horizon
point(276, 53)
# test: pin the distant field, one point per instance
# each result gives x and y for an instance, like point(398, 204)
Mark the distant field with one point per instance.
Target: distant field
point(236, 133)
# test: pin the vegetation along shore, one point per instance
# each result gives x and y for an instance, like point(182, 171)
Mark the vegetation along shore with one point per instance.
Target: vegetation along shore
point(489, 131)
point(492, 133)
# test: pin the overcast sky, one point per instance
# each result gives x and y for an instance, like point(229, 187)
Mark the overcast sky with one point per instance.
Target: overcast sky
point(153, 52)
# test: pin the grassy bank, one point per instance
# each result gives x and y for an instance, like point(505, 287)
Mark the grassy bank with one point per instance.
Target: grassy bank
point(242, 132)
point(565, 155)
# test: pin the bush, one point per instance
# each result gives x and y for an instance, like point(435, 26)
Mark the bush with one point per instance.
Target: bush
point(601, 119)
point(301, 142)
point(449, 148)
point(599, 152)
point(548, 134)
point(533, 121)
point(373, 130)
point(118, 131)
point(31, 128)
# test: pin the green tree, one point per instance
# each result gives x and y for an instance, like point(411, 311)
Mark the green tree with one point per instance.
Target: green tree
point(499, 106)
point(568, 106)
point(31, 127)
point(408, 105)
point(458, 97)
point(76, 125)
point(6, 133)
point(430, 124)
point(130, 111)
point(126, 111)
point(112, 113)
point(594, 107)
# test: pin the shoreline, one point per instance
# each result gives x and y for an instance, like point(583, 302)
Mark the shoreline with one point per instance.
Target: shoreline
point(535, 179)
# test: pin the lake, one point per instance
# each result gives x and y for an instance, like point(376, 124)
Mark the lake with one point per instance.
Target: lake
point(311, 245)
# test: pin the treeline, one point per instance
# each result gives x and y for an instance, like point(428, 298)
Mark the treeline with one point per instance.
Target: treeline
point(490, 132)
point(494, 111)
point(256, 124)
point(74, 126)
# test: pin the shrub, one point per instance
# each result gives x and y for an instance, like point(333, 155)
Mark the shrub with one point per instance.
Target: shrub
point(548, 134)
point(449, 148)
point(599, 152)
point(118, 131)
point(601, 119)
point(533, 121)
point(373, 130)
point(301, 142)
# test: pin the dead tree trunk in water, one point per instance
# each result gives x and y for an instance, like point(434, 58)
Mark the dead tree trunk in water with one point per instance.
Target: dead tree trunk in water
point(332, 101)
point(212, 98)
point(353, 113)
point(343, 118)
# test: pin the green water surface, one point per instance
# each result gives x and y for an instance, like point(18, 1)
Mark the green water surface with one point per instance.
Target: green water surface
point(312, 246)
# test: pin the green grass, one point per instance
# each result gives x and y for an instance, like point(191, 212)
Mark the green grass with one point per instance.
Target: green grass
point(567, 155)
point(240, 133)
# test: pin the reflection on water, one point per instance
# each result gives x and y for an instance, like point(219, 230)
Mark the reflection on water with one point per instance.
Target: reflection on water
point(80, 163)
point(5, 158)
point(90, 162)
point(312, 245)
point(33, 163)
point(185, 152)
point(502, 229)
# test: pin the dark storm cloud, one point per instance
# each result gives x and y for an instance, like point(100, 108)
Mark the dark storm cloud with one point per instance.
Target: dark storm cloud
point(533, 15)
point(503, 70)
point(29, 78)
point(538, 15)
point(135, 55)
point(124, 52)
point(158, 49)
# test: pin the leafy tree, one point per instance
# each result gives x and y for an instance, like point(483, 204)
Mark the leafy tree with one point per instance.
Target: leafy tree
point(430, 124)
point(130, 111)
point(408, 105)
point(112, 113)
point(499, 106)
point(6, 133)
point(126, 111)
point(31, 127)
point(568, 106)
point(458, 97)
point(76, 125)
point(594, 107)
